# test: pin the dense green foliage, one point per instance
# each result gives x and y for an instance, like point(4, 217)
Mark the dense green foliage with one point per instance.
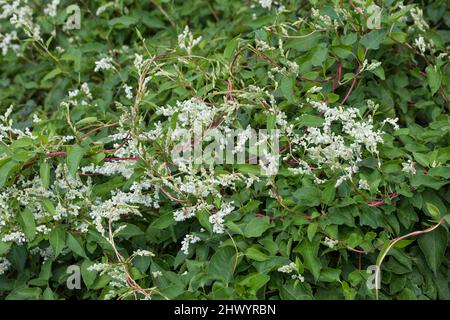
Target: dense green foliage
point(86, 177)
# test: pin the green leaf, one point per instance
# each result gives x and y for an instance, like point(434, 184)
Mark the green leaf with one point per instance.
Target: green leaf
point(123, 21)
point(86, 121)
point(304, 44)
point(256, 227)
point(26, 220)
point(4, 247)
point(308, 120)
point(255, 254)
point(44, 173)
point(434, 78)
point(308, 196)
point(249, 168)
point(294, 292)
point(433, 245)
point(5, 171)
point(287, 87)
point(51, 74)
point(255, 281)
point(76, 245)
point(319, 55)
point(221, 265)
point(48, 294)
point(74, 156)
point(419, 180)
point(57, 239)
point(312, 229)
point(373, 39)
point(87, 275)
point(433, 210)
point(309, 252)
point(129, 231)
point(329, 275)
point(406, 294)
point(229, 49)
point(379, 72)
point(25, 293)
point(163, 221)
point(398, 36)
point(203, 219)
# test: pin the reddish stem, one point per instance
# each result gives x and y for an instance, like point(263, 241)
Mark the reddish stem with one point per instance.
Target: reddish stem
point(355, 79)
point(64, 154)
point(378, 203)
point(337, 79)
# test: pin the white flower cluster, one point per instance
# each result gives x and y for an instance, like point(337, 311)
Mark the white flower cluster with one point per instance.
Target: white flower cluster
point(65, 199)
point(104, 64)
point(103, 8)
point(291, 269)
point(128, 91)
point(330, 243)
point(50, 10)
point(7, 131)
point(338, 150)
point(187, 241)
point(217, 219)
point(423, 45)
point(20, 15)
point(4, 265)
point(143, 253)
point(409, 167)
point(363, 184)
point(370, 67)
point(81, 96)
point(265, 3)
point(419, 22)
point(324, 21)
point(186, 40)
point(7, 42)
point(45, 253)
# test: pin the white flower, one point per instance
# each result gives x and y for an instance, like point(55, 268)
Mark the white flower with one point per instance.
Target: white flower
point(104, 7)
point(128, 91)
point(288, 268)
point(186, 40)
point(138, 61)
point(363, 184)
point(392, 122)
point(143, 253)
point(86, 90)
point(419, 22)
point(330, 242)
point(217, 219)
point(98, 267)
point(370, 67)
point(187, 241)
point(420, 44)
point(314, 89)
point(265, 3)
point(36, 118)
point(51, 8)
point(156, 274)
point(291, 268)
point(17, 237)
point(103, 64)
point(7, 44)
point(4, 265)
point(409, 167)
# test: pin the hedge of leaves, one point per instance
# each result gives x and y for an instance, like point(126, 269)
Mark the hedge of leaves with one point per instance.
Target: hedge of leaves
point(91, 112)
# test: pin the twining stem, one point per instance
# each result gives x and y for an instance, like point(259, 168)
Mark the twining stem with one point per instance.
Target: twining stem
point(394, 241)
